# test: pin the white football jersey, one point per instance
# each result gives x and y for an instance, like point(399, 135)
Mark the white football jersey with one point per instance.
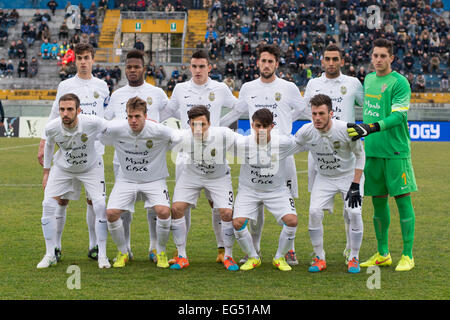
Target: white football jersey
point(344, 92)
point(334, 152)
point(155, 97)
point(280, 96)
point(77, 151)
point(214, 95)
point(142, 156)
point(263, 167)
point(207, 158)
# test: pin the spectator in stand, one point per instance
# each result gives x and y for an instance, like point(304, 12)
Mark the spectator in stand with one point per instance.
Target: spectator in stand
point(420, 83)
point(46, 48)
point(171, 84)
point(85, 27)
point(22, 68)
point(84, 38)
point(408, 61)
point(52, 4)
point(444, 81)
point(21, 49)
point(139, 45)
point(215, 73)
point(75, 39)
point(2, 67)
point(102, 7)
point(9, 69)
point(93, 28)
point(435, 61)
point(63, 48)
point(34, 67)
point(109, 81)
point(229, 81)
point(425, 63)
point(151, 70)
point(93, 40)
point(160, 75)
point(230, 68)
point(12, 51)
point(30, 36)
point(361, 74)
point(54, 51)
point(211, 34)
point(437, 7)
point(45, 33)
point(69, 57)
point(3, 37)
point(116, 74)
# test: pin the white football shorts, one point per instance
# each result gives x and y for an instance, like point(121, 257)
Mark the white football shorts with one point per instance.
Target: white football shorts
point(325, 188)
point(125, 194)
point(61, 183)
point(188, 188)
point(279, 202)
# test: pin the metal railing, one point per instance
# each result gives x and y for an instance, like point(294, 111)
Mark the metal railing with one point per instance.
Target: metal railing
point(153, 15)
point(173, 56)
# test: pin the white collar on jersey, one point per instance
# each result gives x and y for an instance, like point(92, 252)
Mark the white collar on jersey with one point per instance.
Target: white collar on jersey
point(267, 84)
point(69, 133)
point(337, 79)
point(83, 81)
point(200, 87)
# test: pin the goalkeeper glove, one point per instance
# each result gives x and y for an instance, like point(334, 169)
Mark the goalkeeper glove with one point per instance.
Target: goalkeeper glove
point(353, 196)
point(357, 131)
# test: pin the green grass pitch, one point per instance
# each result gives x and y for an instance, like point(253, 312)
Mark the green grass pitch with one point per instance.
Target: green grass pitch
point(22, 244)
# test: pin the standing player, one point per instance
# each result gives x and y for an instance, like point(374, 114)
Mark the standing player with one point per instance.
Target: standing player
point(77, 159)
point(201, 90)
point(156, 100)
point(141, 148)
point(344, 92)
point(94, 96)
point(388, 168)
point(340, 165)
point(262, 182)
point(206, 168)
point(281, 97)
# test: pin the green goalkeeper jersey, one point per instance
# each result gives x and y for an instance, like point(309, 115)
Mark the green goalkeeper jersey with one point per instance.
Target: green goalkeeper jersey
point(386, 101)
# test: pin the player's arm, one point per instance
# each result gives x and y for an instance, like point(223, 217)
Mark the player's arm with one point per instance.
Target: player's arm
point(239, 109)
point(110, 112)
point(54, 113)
point(353, 195)
point(299, 106)
point(401, 96)
point(172, 108)
point(359, 94)
point(49, 148)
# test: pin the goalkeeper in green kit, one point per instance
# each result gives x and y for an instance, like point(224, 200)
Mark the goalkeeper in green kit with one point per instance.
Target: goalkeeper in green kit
point(388, 169)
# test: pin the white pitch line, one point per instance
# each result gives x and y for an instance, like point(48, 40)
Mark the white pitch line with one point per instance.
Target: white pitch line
point(18, 147)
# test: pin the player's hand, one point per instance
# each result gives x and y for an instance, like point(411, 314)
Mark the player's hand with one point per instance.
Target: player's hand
point(357, 131)
point(353, 196)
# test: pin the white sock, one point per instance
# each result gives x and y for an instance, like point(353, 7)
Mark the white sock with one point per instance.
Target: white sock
point(287, 236)
point(48, 223)
point(217, 226)
point(244, 239)
point(162, 233)
point(356, 234)
point(90, 220)
point(228, 237)
point(60, 214)
point(187, 217)
point(101, 227)
point(116, 230)
point(127, 218)
point(316, 236)
point(256, 228)
point(151, 219)
point(347, 230)
point(179, 233)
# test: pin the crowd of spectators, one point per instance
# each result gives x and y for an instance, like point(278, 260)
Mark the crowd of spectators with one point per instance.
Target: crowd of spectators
point(303, 28)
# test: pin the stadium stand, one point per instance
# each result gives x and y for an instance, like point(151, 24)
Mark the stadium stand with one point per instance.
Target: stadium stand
point(232, 30)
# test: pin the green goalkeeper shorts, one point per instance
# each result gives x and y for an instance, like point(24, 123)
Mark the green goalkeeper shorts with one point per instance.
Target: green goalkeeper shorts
point(385, 176)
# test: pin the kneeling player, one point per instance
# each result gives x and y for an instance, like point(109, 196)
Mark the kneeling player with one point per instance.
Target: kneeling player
point(76, 160)
point(205, 168)
point(262, 182)
point(340, 162)
point(141, 150)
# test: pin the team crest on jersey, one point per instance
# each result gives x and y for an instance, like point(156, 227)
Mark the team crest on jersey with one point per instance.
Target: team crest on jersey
point(277, 96)
point(96, 94)
point(336, 144)
point(383, 87)
point(84, 137)
point(213, 152)
point(149, 144)
point(343, 89)
point(149, 100)
point(212, 96)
